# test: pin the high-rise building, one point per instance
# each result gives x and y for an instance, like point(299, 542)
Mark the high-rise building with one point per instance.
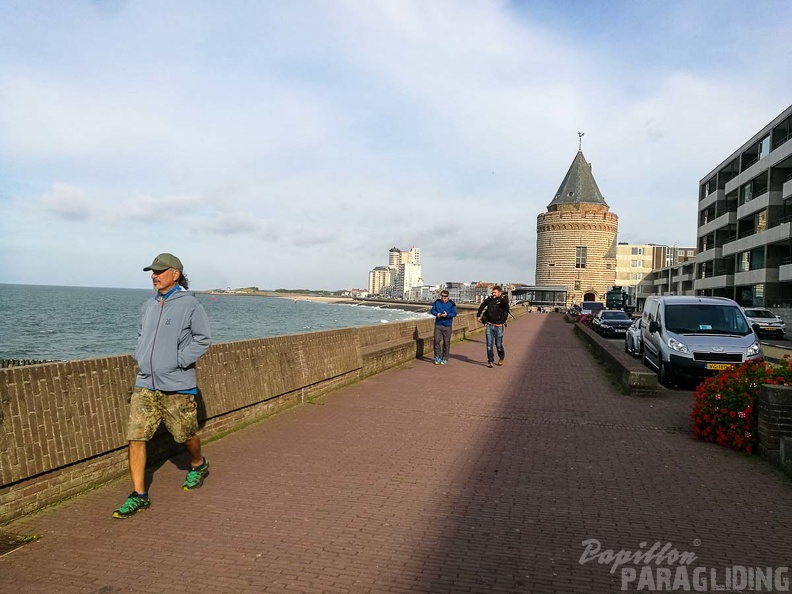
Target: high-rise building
point(745, 221)
point(394, 256)
point(576, 237)
point(379, 279)
point(403, 273)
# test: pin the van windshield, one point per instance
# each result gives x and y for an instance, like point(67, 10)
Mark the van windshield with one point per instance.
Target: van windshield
point(695, 318)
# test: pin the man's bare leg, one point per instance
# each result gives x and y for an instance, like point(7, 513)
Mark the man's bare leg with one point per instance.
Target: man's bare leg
point(137, 465)
point(193, 446)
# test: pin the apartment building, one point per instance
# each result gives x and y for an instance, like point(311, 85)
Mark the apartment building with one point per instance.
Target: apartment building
point(379, 279)
point(745, 221)
point(667, 255)
point(402, 273)
point(633, 263)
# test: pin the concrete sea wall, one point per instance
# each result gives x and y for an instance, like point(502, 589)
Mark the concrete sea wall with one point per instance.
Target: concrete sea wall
point(62, 425)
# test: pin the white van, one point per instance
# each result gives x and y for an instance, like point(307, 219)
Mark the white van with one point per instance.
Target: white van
point(695, 337)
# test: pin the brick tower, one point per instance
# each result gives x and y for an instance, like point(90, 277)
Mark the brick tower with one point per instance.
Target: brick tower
point(576, 238)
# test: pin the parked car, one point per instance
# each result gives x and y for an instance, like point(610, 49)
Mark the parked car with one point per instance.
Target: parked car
point(769, 323)
point(611, 322)
point(632, 339)
point(695, 337)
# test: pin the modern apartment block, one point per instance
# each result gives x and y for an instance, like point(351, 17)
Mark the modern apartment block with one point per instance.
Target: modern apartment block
point(745, 221)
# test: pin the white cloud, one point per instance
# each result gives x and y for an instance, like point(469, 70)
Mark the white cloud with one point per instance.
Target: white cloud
point(273, 144)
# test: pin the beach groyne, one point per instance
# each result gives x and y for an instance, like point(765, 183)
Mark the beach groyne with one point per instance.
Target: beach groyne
point(62, 425)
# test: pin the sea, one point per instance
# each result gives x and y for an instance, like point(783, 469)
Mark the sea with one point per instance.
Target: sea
point(46, 323)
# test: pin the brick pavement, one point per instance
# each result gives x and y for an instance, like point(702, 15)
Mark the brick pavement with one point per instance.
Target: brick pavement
point(429, 478)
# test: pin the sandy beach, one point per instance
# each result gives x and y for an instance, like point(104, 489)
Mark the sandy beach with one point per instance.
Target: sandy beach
point(311, 298)
point(290, 296)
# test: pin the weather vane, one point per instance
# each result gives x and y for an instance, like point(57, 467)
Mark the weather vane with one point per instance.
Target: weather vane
point(580, 140)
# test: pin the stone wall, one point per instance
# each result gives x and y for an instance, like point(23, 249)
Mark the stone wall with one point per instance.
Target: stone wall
point(62, 425)
point(775, 425)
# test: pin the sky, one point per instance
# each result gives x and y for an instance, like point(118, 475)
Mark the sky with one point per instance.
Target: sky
point(291, 144)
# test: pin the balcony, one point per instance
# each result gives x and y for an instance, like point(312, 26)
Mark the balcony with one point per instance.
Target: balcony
point(771, 160)
point(755, 277)
point(773, 235)
point(786, 191)
point(785, 272)
point(730, 218)
point(759, 203)
point(710, 254)
point(711, 199)
point(713, 282)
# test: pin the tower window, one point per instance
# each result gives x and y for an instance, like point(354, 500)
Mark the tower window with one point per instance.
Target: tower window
point(580, 256)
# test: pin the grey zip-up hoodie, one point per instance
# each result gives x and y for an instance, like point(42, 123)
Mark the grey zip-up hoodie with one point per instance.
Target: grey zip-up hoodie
point(172, 335)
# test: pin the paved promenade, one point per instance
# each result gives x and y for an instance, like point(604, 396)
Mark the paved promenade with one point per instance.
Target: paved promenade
point(427, 478)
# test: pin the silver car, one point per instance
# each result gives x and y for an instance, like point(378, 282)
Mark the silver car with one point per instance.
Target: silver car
point(632, 340)
point(769, 323)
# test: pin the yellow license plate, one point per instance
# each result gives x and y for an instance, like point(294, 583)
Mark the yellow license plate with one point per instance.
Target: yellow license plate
point(719, 366)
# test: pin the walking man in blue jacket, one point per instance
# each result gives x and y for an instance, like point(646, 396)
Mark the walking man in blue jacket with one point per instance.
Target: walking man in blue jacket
point(172, 335)
point(444, 310)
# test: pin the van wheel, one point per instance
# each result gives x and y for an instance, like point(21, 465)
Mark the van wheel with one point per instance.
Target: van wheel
point(665, 376)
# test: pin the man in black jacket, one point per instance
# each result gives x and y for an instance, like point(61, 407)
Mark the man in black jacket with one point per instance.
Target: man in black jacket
point(494, 311)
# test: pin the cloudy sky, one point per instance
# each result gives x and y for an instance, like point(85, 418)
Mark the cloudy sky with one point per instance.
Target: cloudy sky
point(291, 144)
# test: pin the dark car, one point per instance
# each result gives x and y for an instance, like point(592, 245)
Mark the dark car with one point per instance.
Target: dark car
point(632, 339)
point(611, 322)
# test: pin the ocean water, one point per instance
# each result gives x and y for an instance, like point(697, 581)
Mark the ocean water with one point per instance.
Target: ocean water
point(68, 323)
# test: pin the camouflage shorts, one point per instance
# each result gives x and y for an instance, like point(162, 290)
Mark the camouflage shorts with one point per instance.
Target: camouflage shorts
point(150, 407)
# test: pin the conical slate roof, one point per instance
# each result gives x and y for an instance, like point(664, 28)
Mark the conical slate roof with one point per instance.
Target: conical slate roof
point(578, 185)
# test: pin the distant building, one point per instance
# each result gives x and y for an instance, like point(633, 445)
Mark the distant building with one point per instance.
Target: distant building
point(421, 293)
point(576, 238)
point(379, 279)
point(635, 261)
point(404, 273)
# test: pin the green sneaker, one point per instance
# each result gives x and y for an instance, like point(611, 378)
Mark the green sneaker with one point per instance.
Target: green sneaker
point(196, 476)
point(132, 505)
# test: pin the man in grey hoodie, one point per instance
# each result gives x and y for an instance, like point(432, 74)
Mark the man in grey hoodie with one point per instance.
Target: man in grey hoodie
point(172, 335)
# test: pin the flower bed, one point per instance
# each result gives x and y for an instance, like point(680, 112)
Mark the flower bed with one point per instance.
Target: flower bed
point(725, 406)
